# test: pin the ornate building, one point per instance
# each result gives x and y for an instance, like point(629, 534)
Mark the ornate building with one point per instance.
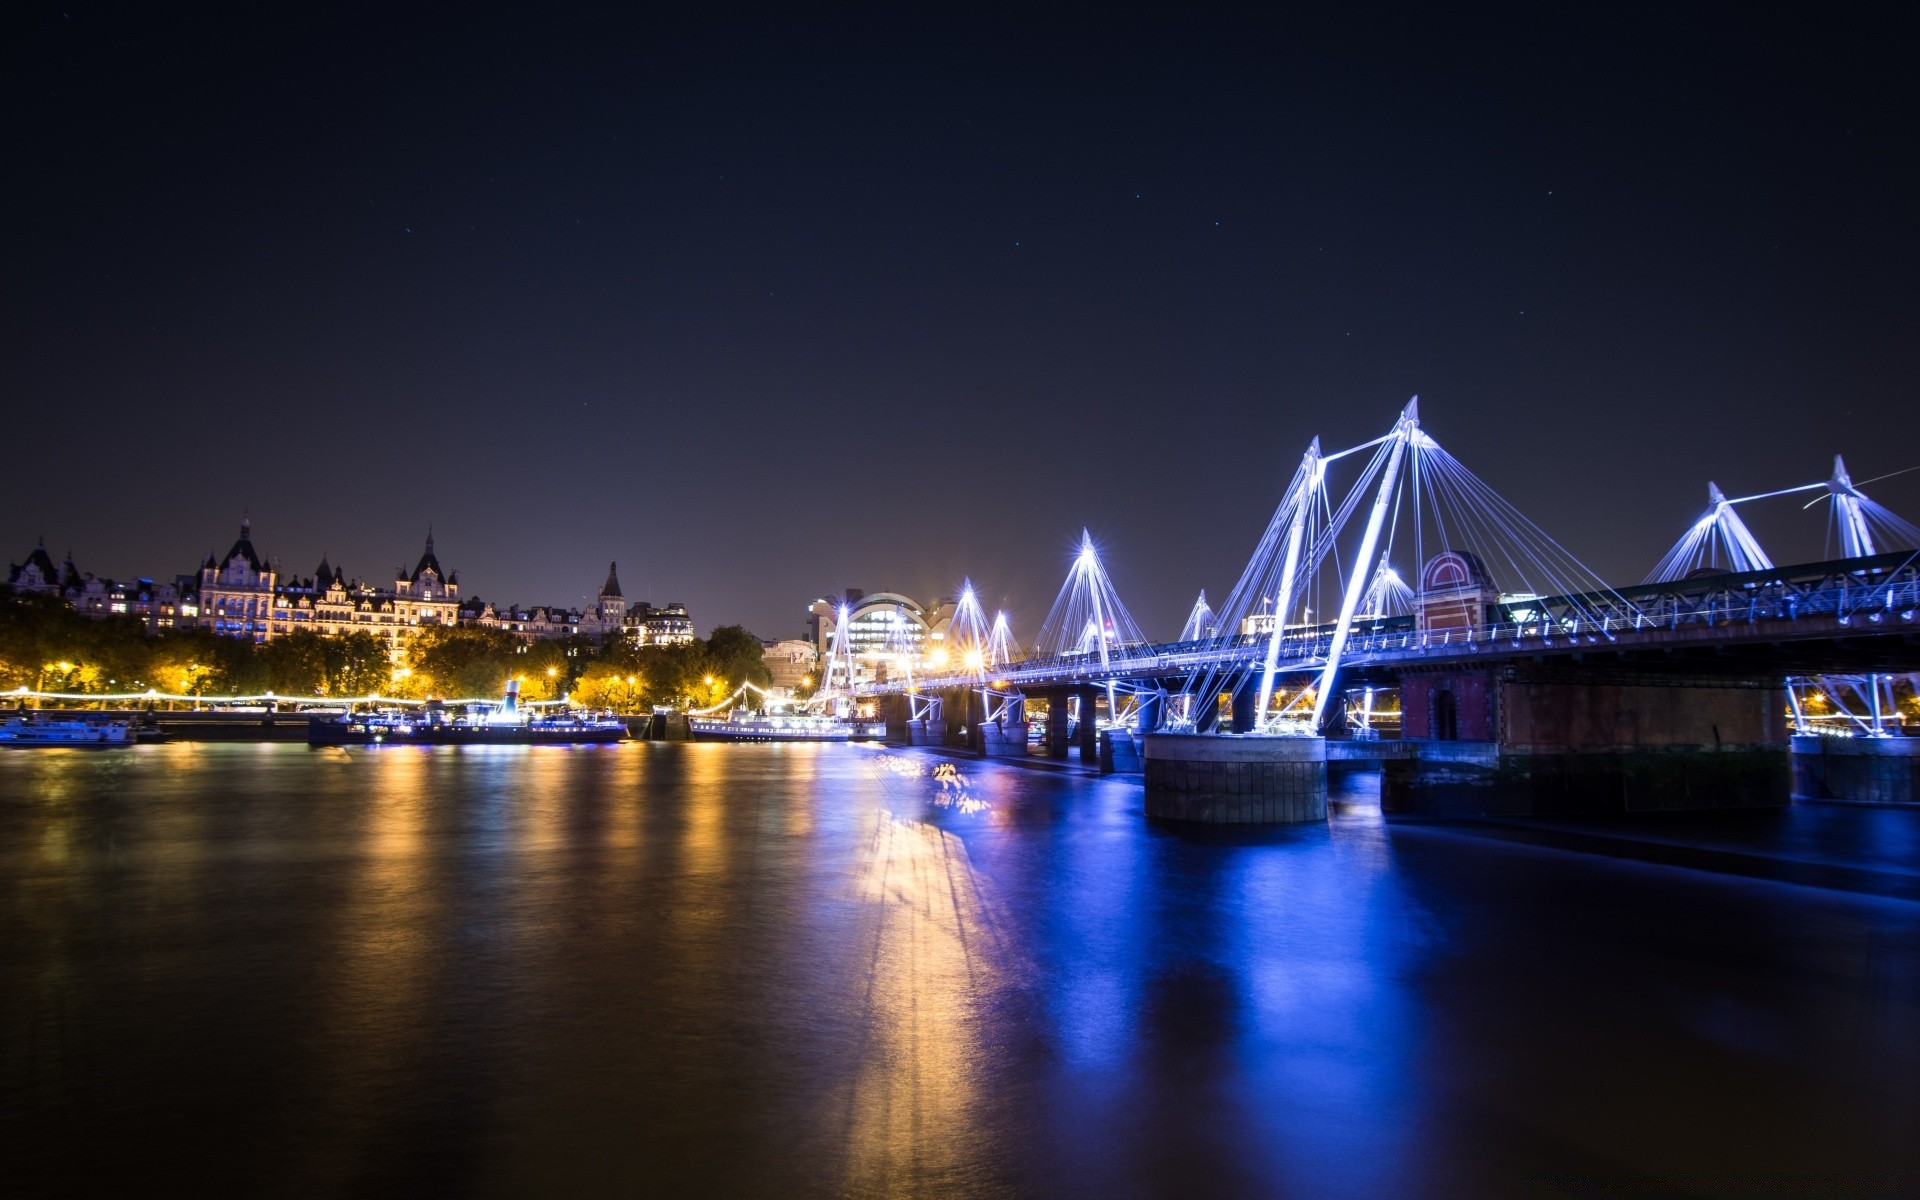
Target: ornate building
point(160, 605)
point(609, 612)
point(39, 575)
point(668, 626)
point(539, 623)
point(243, 595)
point(237, 592)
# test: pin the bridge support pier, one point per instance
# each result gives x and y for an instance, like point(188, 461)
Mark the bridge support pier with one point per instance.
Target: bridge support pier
point(1150, 713)
point(897, 712)
point(1246, 697)
point(1236, 780)
point(1007, 736)
point(1540, 740)
point(927, 732)
point(1088, 731)
point(1058, 741)
point(1119, 751)
point(1870, 770)
point(1206, 713)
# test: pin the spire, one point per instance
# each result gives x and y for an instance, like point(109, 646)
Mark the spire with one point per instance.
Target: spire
point(43, 561)
point(611, 588)
point(427, 562)
point(324, 571)
point(243, 548)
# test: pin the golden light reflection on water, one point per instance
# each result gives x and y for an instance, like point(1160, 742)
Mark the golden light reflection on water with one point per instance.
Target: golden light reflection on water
point(951, 787)
point(937, 957)
point(381, 969)
point(622, 808)
point(705, 845)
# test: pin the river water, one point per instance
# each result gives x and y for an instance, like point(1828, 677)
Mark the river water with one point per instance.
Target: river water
point(789, 970)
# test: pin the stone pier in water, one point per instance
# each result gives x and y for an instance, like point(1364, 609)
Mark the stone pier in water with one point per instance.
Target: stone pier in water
point(1230, 780)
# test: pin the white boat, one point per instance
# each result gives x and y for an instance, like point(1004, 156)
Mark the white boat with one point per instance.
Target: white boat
point(36, 729)
point(740, 726)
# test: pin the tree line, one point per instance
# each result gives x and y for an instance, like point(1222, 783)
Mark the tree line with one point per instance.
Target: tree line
point(46, 646)
point(604, 672)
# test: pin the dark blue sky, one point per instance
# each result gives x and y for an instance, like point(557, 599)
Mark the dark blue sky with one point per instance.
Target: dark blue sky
point(763, 309)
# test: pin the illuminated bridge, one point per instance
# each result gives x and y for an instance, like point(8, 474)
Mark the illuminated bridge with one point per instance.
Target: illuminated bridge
point(1522, 682)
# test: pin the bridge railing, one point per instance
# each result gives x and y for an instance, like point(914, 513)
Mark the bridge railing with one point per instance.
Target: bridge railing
point(1870, 590)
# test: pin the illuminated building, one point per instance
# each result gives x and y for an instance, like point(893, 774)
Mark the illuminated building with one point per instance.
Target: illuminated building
point(793, 662)
point(237, 592)
point(887, 632)
point(242, 595)
point(640, 622)
point(160, 605)
point(666, 626)
point(537, 624)
point(609, 613)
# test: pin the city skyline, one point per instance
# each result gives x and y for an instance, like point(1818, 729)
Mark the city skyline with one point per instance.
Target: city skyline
point(290, 572)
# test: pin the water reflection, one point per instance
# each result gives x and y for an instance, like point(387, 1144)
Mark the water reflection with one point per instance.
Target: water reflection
point(1328, 1044)
point(914, 1086)
point(834, 970)
point(371, 986)
point(933, 942)
point(951, 788)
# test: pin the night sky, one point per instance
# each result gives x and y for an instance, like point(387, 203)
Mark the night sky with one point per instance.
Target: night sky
point(765, 309)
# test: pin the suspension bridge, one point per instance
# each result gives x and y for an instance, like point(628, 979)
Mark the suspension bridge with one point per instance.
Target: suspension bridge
point(1523, 681)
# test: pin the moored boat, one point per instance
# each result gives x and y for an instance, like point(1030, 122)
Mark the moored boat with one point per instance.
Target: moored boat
point(505, 724)
point(403, 729)
point(36, 729)
point(739, 726)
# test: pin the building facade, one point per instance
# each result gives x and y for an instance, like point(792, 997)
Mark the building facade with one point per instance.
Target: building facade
point(669, 625)
point(243, 595)
point(161, 605)
point(38, 576)
point(609, 612)
point(888, 633)
point(793, 662)
point(537, 624)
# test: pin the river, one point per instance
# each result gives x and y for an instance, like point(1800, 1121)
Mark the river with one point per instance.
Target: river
point(838, 970)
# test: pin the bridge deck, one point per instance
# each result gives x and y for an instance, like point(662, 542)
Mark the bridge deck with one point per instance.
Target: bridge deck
point(1834, 615)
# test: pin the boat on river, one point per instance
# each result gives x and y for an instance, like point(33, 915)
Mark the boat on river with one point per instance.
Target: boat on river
point(504, 724)
point(26, 729)
point(739, 726)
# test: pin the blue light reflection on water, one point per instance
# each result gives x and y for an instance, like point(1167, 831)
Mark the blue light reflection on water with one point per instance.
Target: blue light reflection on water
point(851, 971)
